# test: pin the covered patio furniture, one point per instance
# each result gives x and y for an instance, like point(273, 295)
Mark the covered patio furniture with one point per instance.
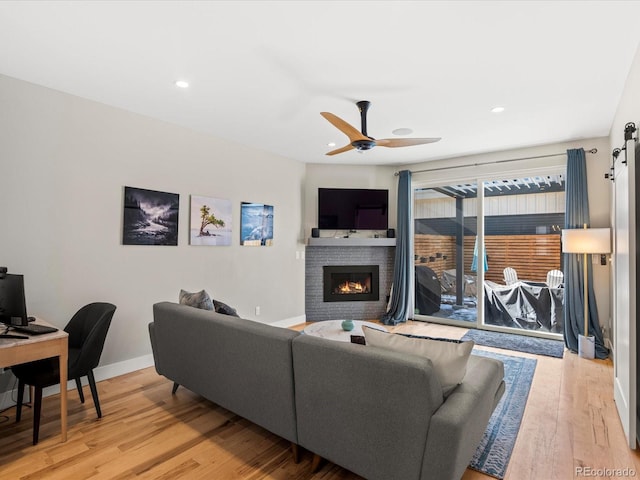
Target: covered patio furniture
point(428, 291)
point(524, 305)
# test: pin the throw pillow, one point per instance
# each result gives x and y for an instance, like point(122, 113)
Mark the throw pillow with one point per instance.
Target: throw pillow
point(224, 309)
point(199, 299)
point(449, 359)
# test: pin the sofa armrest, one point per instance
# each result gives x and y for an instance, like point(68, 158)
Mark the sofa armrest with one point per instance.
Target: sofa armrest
point(458, 425)
point(154, 349)
point(241, 365)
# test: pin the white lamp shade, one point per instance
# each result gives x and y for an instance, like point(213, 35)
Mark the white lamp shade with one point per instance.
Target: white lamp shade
point(586, 240)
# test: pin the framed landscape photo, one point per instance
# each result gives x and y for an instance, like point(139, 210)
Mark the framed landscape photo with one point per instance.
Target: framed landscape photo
point(256, 224)
point(210, 221)
point(150, 217)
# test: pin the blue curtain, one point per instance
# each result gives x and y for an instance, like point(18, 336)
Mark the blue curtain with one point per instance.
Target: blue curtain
point(576, 215)
point(399, 305)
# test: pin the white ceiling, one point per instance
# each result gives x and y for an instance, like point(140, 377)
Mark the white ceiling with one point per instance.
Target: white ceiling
point(261, 72)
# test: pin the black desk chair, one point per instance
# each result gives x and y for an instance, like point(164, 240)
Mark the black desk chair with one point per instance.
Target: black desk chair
point(87, 332)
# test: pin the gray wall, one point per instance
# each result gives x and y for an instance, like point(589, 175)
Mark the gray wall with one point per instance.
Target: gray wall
point(64, 163)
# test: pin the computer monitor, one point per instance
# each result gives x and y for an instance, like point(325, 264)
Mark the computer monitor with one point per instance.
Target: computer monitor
point(13, 307)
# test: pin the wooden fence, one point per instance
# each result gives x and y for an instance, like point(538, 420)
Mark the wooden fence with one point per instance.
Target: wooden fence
point(532, 256)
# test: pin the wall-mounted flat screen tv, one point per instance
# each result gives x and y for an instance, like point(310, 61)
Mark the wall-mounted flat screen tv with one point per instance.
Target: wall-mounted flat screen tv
point(353, 209)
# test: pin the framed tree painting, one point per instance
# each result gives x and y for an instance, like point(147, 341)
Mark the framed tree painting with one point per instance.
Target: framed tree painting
point(256, 221)
point(210, 221)
point(150, 217)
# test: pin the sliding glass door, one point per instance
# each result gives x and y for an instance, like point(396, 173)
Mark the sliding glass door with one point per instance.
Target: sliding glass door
point(524, 286)
point(491, 257)
point(444, 226)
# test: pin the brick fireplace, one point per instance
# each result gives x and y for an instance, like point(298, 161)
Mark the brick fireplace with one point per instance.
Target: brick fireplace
point(345, 281)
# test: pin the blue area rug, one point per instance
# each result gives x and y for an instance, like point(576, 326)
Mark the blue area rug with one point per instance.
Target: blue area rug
point(519, 343)
point(496, 446)
point(465, 314)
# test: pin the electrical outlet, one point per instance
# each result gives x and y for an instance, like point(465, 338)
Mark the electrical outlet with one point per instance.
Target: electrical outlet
point(257, 311)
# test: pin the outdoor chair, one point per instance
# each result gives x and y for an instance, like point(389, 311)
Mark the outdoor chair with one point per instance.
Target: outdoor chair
point(555, 278)
point(510, 276)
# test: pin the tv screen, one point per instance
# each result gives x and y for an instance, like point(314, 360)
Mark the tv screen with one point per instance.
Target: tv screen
point(353, 209)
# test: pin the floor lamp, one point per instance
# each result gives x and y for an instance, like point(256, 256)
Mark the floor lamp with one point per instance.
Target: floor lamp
point(586, 241)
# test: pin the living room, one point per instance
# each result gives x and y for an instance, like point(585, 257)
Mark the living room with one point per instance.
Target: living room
point(66, 160)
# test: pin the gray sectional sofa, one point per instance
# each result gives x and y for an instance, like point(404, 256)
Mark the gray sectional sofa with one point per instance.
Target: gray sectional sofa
point(378, 413)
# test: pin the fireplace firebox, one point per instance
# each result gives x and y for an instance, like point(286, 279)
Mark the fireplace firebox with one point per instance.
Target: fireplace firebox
point(351, 283)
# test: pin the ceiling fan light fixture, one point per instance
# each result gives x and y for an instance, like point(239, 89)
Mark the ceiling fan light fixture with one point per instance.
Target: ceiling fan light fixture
point(402, 131)
point(361, 141)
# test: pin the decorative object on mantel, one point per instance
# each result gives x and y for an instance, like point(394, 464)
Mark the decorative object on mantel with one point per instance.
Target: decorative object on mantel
point(586, 241)
point(256, 224)
point(150, 217)
point(210, 221)
point(347, 325)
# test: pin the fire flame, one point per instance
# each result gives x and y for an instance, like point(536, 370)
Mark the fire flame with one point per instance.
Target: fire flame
point(351, 287)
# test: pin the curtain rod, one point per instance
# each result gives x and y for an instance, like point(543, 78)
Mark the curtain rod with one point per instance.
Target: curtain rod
point(593, 150)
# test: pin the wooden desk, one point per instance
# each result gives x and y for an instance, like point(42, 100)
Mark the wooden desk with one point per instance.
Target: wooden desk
point(15, 351)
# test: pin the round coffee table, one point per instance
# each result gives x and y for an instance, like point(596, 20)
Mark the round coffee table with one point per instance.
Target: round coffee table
point(332, 329)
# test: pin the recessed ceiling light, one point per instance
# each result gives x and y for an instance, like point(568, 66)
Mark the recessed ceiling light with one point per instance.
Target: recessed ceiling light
point(331, 144)
point(182, 84)
point(497, 110)
point(402, 131)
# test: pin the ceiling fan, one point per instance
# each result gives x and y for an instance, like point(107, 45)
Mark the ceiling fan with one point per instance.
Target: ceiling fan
point(361, 141)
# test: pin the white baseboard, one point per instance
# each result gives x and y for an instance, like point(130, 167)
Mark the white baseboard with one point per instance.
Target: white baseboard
point(106, 372)
point(103, 372)
point(290, 322)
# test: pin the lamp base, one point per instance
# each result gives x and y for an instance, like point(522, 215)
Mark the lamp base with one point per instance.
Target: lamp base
point(586, 347)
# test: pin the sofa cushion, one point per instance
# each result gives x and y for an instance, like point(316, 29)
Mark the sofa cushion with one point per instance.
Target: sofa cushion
point(199, 299)
point(449, 359)
point(225, 309)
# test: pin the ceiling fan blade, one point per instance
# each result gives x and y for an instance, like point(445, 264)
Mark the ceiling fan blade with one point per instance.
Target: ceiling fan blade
point(351, 132)
point(346, 148)
point(404, 142)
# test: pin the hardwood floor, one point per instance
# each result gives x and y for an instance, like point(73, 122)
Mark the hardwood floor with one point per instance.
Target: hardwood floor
point(570, 422)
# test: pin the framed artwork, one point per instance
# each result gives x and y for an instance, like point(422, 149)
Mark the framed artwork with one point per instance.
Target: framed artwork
point(256, 221)
point(150, 217)
point(210, 221)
